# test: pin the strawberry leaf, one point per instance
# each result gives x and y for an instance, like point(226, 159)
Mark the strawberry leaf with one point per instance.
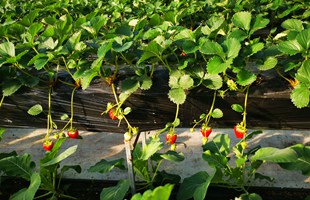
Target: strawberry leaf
point(177, 95)
point(35, 110)
point(195, 186)
point(7, 49)
point(217, 113)
point(10, 87)
point(300, 96)
point(216, 65)
point(303, 38)
point(117, 192)
point(293, 25)
point(232, 47)
point(212, 48)
point(276, 155)
point(213, 82)
point(130, 85)
point(242, 20)
point(269, 63)
point(302, 163)
point(245, 77)
point(105, 166)
point(290, 47)
point(28, 193)
point(186, 82)
point(237, 107)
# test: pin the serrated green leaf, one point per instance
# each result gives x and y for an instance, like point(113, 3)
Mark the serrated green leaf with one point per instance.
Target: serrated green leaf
point(259, 23)
point(215, 160)
point(34, 29)
point(120, 48)
point(88, 76)
point(302, 163)
point(232, 47)
point(174, 79)
point(293, 25)
point(242, 20)
point(160, 192)
point(10, 87)
point(145, 82)
point(18, 166)
point(190, 46)
point(212, 48)
point(40, 62)
point(130, 85)
point(300, 96)
point(216, 65)
point(68, 152)
point(105, 166)
point(213, 81)
point(49, 43)
point(303, 73)
point(254, 48)
point(153, 49)
point(185, 34)
point(245, 78)
point(173, 156)
point(269, 63)
point(217, 113)
point(28, 193)
point(303, 38)
point(117, 192)
point(177, 95)
point(186, 82)
point(290, 47)
point(104, 48)
point(7, 49)
point(195, 186)
point(237, 108)
point(35, 110)
point(151, 34)
point(149, 149)
point(272, 154)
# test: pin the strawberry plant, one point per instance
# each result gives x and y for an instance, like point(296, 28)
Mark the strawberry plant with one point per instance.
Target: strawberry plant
point(49, 176)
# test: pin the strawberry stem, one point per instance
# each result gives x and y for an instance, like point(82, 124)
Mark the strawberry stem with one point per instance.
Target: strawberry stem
point(245, 106)
point(1, 101)
point(211, 109)
point(71, 107)
point(49, 117)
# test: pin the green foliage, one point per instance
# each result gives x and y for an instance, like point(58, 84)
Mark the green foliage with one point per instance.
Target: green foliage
point(35, 110)
point(105, 166)
point(18, 166)
point(160, 192)
point(195, 186)
point(115, 193)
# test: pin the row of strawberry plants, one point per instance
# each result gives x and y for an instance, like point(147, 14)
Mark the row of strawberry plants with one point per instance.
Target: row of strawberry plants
point(219, 46)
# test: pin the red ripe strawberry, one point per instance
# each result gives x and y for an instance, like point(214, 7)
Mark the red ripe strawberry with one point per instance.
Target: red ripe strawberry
point(112, 114)
point(73, 133)
point(171, 138)
point(206, 131)
point(48, 145)
point(183, 54)
point(240, 131)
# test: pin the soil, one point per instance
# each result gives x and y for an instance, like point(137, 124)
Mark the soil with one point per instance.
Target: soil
point(90, 190)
